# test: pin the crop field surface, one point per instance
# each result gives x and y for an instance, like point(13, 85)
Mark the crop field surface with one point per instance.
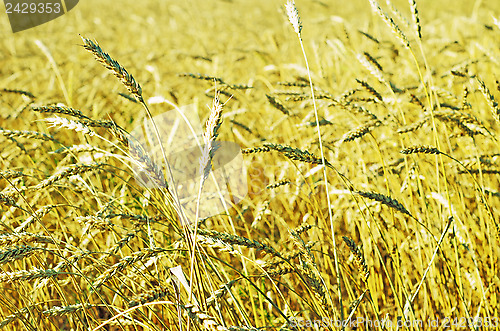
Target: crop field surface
point(251, 165)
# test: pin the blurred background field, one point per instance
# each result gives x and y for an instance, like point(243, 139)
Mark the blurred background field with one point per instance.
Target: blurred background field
point(252, 43)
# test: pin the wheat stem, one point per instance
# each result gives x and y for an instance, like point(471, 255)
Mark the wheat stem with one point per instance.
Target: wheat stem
point(293, 16)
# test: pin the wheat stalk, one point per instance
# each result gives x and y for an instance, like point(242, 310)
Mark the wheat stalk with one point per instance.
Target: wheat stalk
point(17, 314)
point(220, 292)
point(294, 18)
point(11, 174)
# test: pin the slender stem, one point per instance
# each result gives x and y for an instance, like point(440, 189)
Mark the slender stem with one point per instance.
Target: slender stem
point(330, 216)
point(410, 301)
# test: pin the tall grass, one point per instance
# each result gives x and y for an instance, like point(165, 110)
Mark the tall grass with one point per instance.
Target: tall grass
point(371, 153)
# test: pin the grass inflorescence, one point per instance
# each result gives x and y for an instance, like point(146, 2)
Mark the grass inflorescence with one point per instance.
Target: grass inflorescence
point(365, 186)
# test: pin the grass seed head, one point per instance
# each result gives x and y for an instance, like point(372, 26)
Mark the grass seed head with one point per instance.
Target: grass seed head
point(293, 17)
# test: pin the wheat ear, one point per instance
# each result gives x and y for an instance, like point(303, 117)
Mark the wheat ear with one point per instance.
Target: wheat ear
point(120, 72)
point(390, 22)
point(359, 258)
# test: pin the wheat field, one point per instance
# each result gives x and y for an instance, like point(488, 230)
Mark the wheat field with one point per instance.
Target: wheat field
point(252, 165)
